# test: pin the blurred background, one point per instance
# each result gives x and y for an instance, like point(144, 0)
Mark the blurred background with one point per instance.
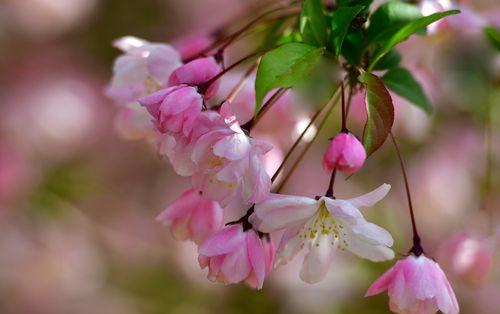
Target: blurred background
point(79, 193)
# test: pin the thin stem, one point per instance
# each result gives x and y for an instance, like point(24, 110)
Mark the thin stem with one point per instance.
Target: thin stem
point(349, 99)
point(303, 153)
point(203, 87)
point(297, 142)
point(228, 40)
point(234, 92)
point(250, 124)
point(344, 127)
point(329, 192)
point(417, 248)
point(488, 169)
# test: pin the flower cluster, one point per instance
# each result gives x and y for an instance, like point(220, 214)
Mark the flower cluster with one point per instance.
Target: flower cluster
point(214, 146)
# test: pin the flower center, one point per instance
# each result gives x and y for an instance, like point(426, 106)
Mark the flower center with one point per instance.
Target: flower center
point(151, 85)
point(322, 223)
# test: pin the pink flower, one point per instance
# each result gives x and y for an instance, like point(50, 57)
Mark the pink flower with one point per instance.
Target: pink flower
point(321, 226)
point(192, 217)
point(175, 108)
point(234, 255)
point(468, 257)
point(143, 69)
point(344, 153)
point(179, 148)
point(230, 164)
point(416, 285)
point(192, 45)
point(197, 72)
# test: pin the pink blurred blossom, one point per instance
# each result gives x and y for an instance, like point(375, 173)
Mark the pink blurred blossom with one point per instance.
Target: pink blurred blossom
point(191, 45)
point(470, 258)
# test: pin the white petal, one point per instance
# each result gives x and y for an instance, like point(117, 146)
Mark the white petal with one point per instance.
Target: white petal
point(289, 246)
point(371, 198)
point(318, 259)
point(364, 249)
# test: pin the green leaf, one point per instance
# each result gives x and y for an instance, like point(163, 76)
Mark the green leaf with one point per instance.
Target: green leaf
point(341, 21)
point(402, 82)
point(350, 3)
point(284, 67)
point(389, 61)
point(313, 23)
point(493, 35)
point(389, 18)
point(406, 31)
point(353, 46)
point(380, 111)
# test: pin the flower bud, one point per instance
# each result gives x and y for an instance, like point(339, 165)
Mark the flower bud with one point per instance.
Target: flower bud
point(345, 153)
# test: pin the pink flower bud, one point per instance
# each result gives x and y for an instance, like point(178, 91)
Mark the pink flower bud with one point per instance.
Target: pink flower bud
point(197, 72)
point(416, 285)
point(233, 255)
point(192, 217)
point(345, 153)
point(175, 108)
point(467, 257)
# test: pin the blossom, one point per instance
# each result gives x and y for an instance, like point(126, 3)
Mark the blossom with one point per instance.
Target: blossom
point(345, 153)
point(144, 68)
point(174, 109)
point(197, 72)
point(234, 255)
point(468, 257)
point(192, 217)
point(230, 165)
point(416, 285)
point(321, 226)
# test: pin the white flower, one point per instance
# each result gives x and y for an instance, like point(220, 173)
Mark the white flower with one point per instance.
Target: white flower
point(322, 226)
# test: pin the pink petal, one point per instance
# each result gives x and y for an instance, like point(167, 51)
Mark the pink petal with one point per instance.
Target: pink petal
point(225, 241)
point(257, 257)
point(236, 266)
point(382, 283)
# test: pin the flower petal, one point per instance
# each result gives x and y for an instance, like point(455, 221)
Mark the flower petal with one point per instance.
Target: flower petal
point(318, 259)
point(282, 211)
point(257, 258)
point(371, 198)
point(223, 242)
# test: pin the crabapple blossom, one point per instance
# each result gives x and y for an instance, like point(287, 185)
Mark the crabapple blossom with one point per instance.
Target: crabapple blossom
point(235, 255)
point(144, 68)
point(230, 166)
point(345, 153)
point(416, 284)
point(321, 226)
point(467, 257)
point(192, 217)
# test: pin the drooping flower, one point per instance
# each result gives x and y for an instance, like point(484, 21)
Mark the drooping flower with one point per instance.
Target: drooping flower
point(235, 255)
point(321, 226)
point(144, 68)
point(467, 257)
point(416, 285)
point(174, 109)
point(192, 217)
point(345, 153)
point(197, 72)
